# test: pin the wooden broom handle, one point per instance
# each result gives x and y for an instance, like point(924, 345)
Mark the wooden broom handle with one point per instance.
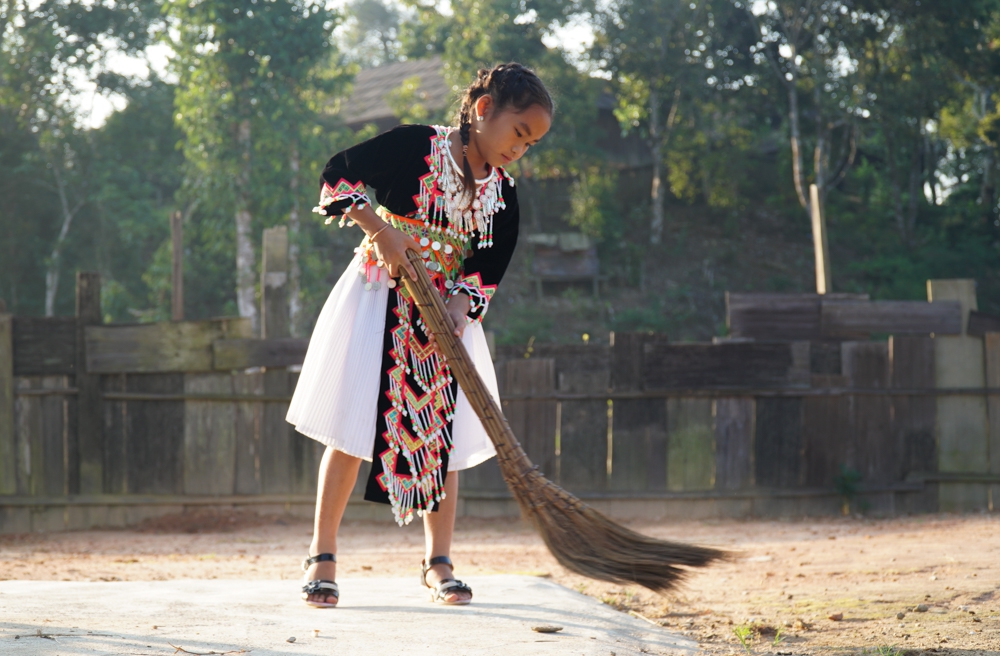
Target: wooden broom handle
point(432, 309)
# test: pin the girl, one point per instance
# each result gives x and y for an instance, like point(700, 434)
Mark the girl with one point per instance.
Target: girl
point(373, 385)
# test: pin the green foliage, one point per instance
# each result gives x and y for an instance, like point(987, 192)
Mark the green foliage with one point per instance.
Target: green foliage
point(848, 484)
point(745, 634)
point(914, 87)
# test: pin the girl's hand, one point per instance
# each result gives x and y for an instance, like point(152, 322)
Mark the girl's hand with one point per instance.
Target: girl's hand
point(391, 245)
point(458, 309)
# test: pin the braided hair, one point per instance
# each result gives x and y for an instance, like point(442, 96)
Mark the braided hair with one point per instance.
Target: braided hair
point(511, 86)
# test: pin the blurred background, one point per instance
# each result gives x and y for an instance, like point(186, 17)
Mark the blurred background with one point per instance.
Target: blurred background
point(678, 167)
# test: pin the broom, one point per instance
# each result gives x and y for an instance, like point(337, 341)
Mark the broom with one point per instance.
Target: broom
point(581, 539)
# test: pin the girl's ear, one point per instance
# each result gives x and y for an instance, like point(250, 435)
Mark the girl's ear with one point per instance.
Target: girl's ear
point(483, 107)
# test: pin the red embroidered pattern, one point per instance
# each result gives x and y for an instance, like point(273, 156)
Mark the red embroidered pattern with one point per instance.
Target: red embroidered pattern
point(420, 389)
point(478, 293)
point(355, 194)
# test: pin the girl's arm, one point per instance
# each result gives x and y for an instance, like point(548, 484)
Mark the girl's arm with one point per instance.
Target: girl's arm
point(377, 163)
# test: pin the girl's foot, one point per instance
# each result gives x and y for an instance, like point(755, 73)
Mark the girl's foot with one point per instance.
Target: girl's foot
point(323, 572)
point(443, 571)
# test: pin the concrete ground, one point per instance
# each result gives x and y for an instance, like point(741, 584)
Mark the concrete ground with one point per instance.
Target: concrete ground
point(377, 616)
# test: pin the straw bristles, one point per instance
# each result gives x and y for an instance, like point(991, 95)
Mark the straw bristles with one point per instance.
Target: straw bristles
point(581, 539)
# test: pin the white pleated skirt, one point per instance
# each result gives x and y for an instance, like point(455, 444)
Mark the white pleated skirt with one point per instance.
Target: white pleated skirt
point(336, 398)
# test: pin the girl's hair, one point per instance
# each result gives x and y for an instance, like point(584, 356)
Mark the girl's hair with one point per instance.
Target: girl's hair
point(511, 86)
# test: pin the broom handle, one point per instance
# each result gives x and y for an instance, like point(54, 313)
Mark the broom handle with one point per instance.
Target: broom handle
point(435, 315)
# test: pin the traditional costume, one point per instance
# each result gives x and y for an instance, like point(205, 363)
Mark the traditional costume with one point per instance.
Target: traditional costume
point(370, 385)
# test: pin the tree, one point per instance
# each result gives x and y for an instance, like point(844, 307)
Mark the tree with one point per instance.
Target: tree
point(243, 69)
point(804, 44)
point(371, 33)
point(45, 47)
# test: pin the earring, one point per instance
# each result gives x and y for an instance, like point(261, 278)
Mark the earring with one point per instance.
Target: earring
point(479, 118)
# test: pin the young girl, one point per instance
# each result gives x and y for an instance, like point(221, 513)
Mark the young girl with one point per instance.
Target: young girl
point(373, 385)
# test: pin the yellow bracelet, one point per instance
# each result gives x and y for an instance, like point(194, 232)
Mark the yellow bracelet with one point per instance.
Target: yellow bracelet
point(377, 233)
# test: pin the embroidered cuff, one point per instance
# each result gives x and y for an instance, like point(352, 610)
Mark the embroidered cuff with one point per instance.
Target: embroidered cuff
point(478, 293)
point(341, 199)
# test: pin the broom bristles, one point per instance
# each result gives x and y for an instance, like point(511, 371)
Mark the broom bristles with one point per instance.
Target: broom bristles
point(581, 539)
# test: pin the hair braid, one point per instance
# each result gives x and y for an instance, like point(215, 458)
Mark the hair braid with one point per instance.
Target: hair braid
point(511, 86)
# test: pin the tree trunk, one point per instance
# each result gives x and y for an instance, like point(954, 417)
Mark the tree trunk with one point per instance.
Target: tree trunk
point(245, 259)
point(916, 176)
point(987, 192)
point(795, 137)
point(655, 193)
point(895, 187)
point(52, 269)
point(294, 273)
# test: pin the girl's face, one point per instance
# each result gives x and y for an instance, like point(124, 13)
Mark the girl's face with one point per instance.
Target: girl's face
point(505, 136)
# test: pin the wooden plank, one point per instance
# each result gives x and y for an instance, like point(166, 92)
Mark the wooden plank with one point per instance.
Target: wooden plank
point(896, 317)
point(980, 324)
point(28, 417)
point(911, 362)
point(773, 316)
point(533, 422)
point(155, 436)
point(733, 419)
point(248, 433)
point(306, 454)
point(209, 437)
point(826, 439)
point(733, 364)
point(639, 427)
point(184, 346)
point(778, 452)
point(690, 444)
point(44, 346)
point(583, 431)
point(229, 354)
point(276, 436)
point(825, 358)
point(115, 432)
point(873, 450)
point(274, 283)
point(962, 422)
point(54, 442)
point(88, 449)
point(8, 438)
point(991, 343)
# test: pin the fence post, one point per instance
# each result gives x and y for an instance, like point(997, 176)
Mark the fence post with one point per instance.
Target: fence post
point(177, 277)
point(276, 442)
point(8, 466)
point(963, 436)
point(88, 476)
point(274, 283)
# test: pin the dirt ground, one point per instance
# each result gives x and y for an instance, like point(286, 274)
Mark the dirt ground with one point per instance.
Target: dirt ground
point(890, 587)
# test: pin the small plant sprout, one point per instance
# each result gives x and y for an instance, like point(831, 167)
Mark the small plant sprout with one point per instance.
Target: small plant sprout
point(778, 638)
point(744, 634)
point(888, 650)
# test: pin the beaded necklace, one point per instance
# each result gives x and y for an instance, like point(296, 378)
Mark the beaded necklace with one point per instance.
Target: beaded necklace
point(447, 206)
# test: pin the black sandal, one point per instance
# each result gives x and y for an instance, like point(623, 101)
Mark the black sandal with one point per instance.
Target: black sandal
point(320, 586)
point(446, 586)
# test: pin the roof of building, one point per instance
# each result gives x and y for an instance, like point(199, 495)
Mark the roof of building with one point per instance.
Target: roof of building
point(371, 86)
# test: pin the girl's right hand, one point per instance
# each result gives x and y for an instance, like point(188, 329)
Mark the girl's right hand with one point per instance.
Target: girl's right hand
point(391, 245)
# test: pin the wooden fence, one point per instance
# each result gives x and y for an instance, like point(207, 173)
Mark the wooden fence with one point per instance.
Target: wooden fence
point(107, 425)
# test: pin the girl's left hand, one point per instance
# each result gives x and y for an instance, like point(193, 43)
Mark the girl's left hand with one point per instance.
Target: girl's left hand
point(458, 309)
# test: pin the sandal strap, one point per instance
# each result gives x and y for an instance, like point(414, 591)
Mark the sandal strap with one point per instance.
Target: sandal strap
point(323, 557)
point(425, 567)
point(449, 586)
point(440, 560)
point(322, 586)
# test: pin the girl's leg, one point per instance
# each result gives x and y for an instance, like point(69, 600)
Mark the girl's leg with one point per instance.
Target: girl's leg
point(337, 474)
point(438, 530)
